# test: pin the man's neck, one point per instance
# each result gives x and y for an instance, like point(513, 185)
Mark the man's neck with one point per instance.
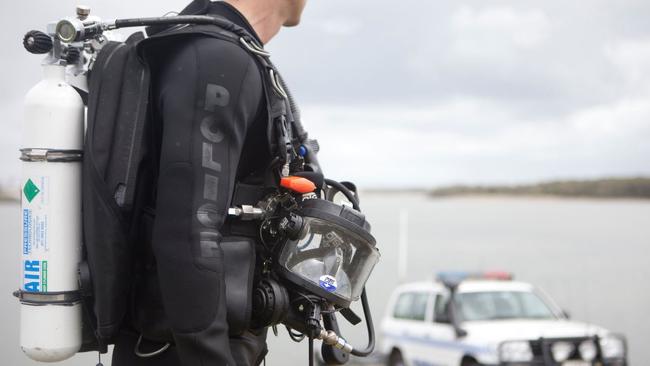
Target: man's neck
point(265, 17)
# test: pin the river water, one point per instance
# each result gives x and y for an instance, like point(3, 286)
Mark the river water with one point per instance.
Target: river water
point(591, 256)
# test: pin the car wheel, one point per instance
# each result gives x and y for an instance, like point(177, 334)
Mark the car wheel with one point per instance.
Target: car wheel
point(395, 359)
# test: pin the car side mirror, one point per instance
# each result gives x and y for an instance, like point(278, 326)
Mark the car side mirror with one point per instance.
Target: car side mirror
point(566, 314)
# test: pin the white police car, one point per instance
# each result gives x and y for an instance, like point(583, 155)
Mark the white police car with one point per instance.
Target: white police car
point(494, 321)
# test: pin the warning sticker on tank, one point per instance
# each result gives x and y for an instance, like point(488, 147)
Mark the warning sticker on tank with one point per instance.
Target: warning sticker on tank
point(37, 189)
point(35, 216)
point(30, 190)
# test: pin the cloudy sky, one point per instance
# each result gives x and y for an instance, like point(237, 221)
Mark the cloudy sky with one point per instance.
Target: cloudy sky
point(422, 93)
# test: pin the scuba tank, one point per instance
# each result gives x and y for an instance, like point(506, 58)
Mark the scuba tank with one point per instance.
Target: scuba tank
point(50, 310)
point(51, 305)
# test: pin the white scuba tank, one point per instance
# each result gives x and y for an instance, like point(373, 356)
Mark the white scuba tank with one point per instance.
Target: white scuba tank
point(50, 310)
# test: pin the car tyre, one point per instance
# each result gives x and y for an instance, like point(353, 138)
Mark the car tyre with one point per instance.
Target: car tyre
point(396, 359)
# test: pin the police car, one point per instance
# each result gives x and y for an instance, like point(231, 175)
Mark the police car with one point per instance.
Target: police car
point(470, 319)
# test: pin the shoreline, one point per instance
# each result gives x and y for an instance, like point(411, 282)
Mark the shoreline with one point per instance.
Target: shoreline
point(627, 188)
point(546, 197)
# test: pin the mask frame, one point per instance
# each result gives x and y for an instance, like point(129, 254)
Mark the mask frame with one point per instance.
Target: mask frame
point(349, 236)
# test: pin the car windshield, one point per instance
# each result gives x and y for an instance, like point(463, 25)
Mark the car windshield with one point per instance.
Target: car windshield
point(502, 305)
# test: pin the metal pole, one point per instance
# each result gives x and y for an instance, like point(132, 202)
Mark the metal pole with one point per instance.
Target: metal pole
point(402, 258)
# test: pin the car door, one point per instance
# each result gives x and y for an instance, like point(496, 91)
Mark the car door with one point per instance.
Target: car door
point(411, 318)
point(445, 348)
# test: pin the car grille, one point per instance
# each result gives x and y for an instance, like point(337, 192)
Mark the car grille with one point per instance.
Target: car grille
point(542, 349)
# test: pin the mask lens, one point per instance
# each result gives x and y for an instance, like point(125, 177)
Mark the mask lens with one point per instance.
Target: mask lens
point(331, 257)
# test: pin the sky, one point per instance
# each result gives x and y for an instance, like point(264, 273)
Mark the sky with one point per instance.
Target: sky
point(428, 93)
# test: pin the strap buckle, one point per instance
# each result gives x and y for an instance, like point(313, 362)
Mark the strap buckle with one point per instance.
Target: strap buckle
point(254, 47)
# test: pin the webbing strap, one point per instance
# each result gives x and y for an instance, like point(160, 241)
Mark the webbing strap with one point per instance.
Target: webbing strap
point(284, 132)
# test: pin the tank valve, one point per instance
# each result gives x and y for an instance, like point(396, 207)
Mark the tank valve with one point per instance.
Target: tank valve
point(83, 12)
point(72, 55)
point(37, 42)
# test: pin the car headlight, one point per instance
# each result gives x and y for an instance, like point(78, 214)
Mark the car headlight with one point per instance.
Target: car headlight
point(588, 350)
point(515, 351)
point(612, 346)
point(562, 351)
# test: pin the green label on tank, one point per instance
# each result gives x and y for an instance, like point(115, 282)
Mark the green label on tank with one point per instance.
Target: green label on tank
point(30, 190)
point(44, 277)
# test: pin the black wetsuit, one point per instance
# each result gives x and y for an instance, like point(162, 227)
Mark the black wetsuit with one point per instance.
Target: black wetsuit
point(210, 120)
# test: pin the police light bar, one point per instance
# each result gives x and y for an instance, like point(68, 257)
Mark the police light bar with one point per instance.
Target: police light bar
point(451, 278)
point(498, 275)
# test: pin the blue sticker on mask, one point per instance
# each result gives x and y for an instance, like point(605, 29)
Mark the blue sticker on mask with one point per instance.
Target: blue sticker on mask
point(327, 282)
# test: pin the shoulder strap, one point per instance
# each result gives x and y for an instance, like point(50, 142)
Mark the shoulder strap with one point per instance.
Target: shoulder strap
point(115, 131)
point(282, 124)
point(113, 154)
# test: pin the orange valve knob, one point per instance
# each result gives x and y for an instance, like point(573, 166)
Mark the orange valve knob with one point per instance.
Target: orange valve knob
point(298, 184)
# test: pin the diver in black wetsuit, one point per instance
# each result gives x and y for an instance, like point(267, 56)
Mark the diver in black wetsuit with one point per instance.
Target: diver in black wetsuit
point(209, 120)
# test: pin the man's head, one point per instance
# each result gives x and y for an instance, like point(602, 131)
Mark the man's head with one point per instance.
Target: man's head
point(268, 16)
point(294, 10)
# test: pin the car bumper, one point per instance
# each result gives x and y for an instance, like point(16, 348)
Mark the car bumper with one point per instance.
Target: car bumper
point(566, 363)
point(543, 355)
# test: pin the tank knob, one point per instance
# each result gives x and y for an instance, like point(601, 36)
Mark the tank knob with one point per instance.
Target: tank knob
point(37, 42)
point(72, 55)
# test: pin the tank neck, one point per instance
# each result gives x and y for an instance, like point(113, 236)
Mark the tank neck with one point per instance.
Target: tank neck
point(54, 72)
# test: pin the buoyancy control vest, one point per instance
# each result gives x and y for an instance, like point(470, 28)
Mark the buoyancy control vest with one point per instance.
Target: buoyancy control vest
point(118, 164)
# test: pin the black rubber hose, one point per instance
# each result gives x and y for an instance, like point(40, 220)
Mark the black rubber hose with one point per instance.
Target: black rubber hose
point(346, 192)
point(180, 19)
point(295, 111)
point(371, 328)
point(364, 297)
point(303, 136)
point(311, 351)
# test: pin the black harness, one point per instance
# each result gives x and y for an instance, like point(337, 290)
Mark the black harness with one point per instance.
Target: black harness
point(285, 131)
point(111, 223)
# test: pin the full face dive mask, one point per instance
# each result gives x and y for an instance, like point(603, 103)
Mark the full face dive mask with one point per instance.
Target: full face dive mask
point(317, 256)
point(328, 251)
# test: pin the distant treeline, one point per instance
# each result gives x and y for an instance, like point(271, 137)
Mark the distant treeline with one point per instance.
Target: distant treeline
point(600, 188)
